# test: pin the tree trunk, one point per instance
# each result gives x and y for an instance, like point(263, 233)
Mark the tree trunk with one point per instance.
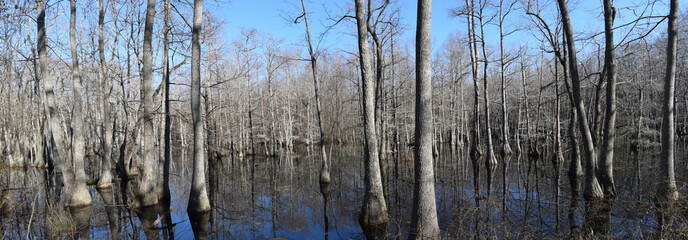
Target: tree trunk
point(164, 175)
point(490, 161)
point(605, 171)
point(79, 196)
point(374, 217)
point(146, 195)
point(476, 152)
point(325, 167)
point(424, 215)
point(594, 218)
point(593, 191)
point(198, 198)
point(667, 193)
point(105, 180)
point(506, 149)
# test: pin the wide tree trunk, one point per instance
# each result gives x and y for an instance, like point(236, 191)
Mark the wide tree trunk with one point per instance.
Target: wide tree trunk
point(105, 180)
point(424, 215)
point(146, 192)
point(374, 217)
point(198, 198)
point(79, 195)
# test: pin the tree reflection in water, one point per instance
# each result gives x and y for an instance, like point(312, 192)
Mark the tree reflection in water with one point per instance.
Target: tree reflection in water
point(280, 197)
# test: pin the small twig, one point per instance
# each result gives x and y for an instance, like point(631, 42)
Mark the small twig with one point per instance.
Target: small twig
point(33, 207)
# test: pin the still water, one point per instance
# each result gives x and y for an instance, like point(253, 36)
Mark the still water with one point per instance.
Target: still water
point(280, 198)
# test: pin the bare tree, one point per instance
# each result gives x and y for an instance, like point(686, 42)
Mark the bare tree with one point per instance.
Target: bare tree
point(605, 171)
point(667, 194)
point(325, 169)
point(145, 194)
point(374, 217)
point(79, 195)
point(105, 180)
point(424, 215)
point(164, 168)
point(198, 198)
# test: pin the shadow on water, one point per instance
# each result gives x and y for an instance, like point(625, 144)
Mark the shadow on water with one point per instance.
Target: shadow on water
point(280, 197)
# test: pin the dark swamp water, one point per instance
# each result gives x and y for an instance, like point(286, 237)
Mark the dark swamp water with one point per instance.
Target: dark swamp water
point(280, 198)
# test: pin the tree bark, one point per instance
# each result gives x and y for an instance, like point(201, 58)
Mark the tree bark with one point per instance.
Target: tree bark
point(593, 191)
point(198, 198)
point(374, 217)
point(146, 195)
point(424, 215)
point(667, 193)
point(605, 169)
point(164, 180)
point(79, 196)
point(325, 167)
point(105, 180)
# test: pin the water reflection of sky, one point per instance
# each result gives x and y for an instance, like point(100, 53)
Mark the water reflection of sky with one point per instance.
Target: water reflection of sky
point(282, 199)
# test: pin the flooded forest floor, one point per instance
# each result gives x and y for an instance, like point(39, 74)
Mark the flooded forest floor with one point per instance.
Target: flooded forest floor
point(279, 197)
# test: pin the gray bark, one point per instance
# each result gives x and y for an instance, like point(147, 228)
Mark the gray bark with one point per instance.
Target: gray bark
point(667, 191)
point(325, 169)
point(146, 192)
point(424, 215)
point(605, 170)
point(593, 191)
point(56, 143)
point(491, 161)
point(105, 180)
point(374, 217)
point(79, 195)
point(198, 198)
point(164, 175)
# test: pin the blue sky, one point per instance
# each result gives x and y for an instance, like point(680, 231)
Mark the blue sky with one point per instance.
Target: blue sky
point(267, 17)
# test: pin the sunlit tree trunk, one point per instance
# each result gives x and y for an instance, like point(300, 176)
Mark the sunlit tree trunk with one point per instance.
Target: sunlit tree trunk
point(146, 192)
point(593, 191)
point(424, 215)
point(105, 180)
point(79, 195)
point(374, 217)
point(475, 152)
point(325, 167)
point(490, 161)
point(667, 193)
point(198, 198)
point(164, 169)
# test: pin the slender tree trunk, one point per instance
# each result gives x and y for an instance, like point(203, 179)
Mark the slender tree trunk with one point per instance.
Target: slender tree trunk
point(605, 171)
point(424, 215)
point(476, 152)
point(558, 157)
point(146, 195)
point(490, 161)
point(593, 191)
point(79, 196)
point(667, 193)
point(325, 168)
point(105, 180)
point(506, 149)
point(198, 198)
point(374, 217)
